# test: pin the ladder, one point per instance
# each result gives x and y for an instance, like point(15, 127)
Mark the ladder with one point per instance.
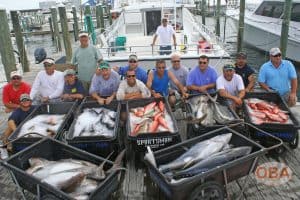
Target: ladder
point(169, 13)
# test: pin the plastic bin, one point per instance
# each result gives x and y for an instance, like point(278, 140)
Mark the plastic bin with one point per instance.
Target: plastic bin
point(67, 108)
point(286, 132)
point(155, 141)
point(193, 130)
point(54, 150)
point(234, 169)
point(98, 145)
point(120, 43)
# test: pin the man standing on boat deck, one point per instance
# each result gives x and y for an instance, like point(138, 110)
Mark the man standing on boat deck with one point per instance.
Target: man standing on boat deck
point(48, 84)
point(104, 86)
point(230, 86)
point(17, 116)
point(279, 75)
point(13, 90)
point(131, 88)
point(245, 71)
point(165, 32)
point(202, 78)
point(85, 57)
point(158, 82)
point(73, 88)
point(140, 73)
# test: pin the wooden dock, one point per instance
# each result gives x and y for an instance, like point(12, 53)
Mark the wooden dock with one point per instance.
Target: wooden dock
point(136, 183)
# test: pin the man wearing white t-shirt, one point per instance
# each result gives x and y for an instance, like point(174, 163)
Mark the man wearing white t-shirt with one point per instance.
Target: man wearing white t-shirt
point(231, 86)
point(48, 85)
point(165, 32)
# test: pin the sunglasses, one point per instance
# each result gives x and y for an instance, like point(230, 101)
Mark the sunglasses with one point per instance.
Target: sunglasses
point(175, 61)
point(130, 76)
point(132, 61)
point(278, 55)
point(203, 63)
point(161, 67)
point(24, 100)
point(16, 78)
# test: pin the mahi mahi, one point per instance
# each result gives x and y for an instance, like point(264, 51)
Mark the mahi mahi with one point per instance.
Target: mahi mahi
point(198, 152)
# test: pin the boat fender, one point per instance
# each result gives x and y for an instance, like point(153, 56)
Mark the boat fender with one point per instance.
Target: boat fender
point(39, 55)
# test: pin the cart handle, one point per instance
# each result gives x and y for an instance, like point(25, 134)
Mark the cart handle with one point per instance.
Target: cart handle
point(268, 134)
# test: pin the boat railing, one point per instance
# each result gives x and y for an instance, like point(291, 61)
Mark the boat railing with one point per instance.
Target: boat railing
point(194, 26)
point(131, 2)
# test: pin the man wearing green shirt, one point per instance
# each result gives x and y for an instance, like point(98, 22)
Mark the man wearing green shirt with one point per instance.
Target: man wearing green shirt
point(85, 57)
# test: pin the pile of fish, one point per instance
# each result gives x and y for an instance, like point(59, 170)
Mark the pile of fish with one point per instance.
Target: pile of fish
point(202, 157)
point(78, 178)
point(208, 112)
point(95, 122)
point(151, 118)
point(262, 111)
point(44, 124)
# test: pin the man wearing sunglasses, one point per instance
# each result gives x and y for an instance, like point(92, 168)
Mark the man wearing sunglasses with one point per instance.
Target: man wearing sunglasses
point(133, 64)
point(104, 86)
point(18, 116)
point(178, 70)
point(131, 88)
point(48, 85)
point(202, 78)
point(279, 75)
point(13, 90)
point(73, 89)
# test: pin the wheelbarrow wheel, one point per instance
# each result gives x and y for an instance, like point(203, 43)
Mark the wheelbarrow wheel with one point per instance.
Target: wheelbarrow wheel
point(294, 143)
point(210, 190)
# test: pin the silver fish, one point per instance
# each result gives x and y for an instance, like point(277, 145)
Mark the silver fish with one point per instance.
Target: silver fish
point(198, 152)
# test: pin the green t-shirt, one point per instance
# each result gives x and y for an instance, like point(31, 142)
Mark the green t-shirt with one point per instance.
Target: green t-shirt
point(86, 61)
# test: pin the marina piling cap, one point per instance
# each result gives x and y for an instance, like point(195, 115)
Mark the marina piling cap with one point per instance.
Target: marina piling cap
point(103, 65)
point(229, 67)
point(83, 34)
point(49, 61)
point(241, 55)
point(133, 57)
point(25, 97)
point(69, 72)
point(275, 51)
point(15, 73)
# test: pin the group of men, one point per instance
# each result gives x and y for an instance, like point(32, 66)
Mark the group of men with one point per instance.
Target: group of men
point(97, 78)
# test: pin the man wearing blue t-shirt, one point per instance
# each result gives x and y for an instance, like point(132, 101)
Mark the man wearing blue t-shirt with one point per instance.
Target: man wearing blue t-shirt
point(18, 115)
point(73, 88)
point(279, 75)
point(202, 78)
point(140, 73)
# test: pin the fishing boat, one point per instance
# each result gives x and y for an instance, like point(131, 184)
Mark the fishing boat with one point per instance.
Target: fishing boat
point(133, 31)
point(263, 26)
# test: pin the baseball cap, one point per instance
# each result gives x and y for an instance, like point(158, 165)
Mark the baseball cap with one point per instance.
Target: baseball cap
point(274, 51)
point(69, 72)
point(49, 61)
point(241, 55)
point(103, 65)
point(229, 67)
point(133, 57)
point(15, 73)
point(25, 97)
point(83, 34)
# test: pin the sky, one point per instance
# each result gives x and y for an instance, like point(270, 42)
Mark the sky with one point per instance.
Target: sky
point(19, 4)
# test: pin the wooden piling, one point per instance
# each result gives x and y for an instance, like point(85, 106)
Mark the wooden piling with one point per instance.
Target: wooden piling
point(109, 14)
point(56, 29)
point(65, 31)
point(241, 26)
point(75, 23)
point(218, 13)
point(203, 11)
point(51, 28)
point(285, 27)
point(100, 10)
point(98, 19)
point(6, 48)
point(19, 39)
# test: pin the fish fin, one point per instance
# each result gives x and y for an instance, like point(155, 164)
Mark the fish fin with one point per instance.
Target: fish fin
point(99, 173)
point(117, 162)
point(150, 157)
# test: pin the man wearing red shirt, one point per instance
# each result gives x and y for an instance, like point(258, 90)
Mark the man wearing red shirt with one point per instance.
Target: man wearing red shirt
point(13, 90)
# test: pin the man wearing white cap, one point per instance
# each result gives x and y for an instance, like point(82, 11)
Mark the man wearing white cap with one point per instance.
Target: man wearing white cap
point(13, 90)
point(73, 88)
point(48, 85)
point(18, 116)
point(85, 57)
point(279, 75)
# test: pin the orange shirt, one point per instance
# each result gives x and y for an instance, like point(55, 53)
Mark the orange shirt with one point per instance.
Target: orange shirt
point(10, 95)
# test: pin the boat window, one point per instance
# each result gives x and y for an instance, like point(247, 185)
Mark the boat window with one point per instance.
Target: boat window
point(295, 16)
point(270, 9)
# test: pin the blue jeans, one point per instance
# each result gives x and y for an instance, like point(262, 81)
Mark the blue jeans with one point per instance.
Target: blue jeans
point(165, 50)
